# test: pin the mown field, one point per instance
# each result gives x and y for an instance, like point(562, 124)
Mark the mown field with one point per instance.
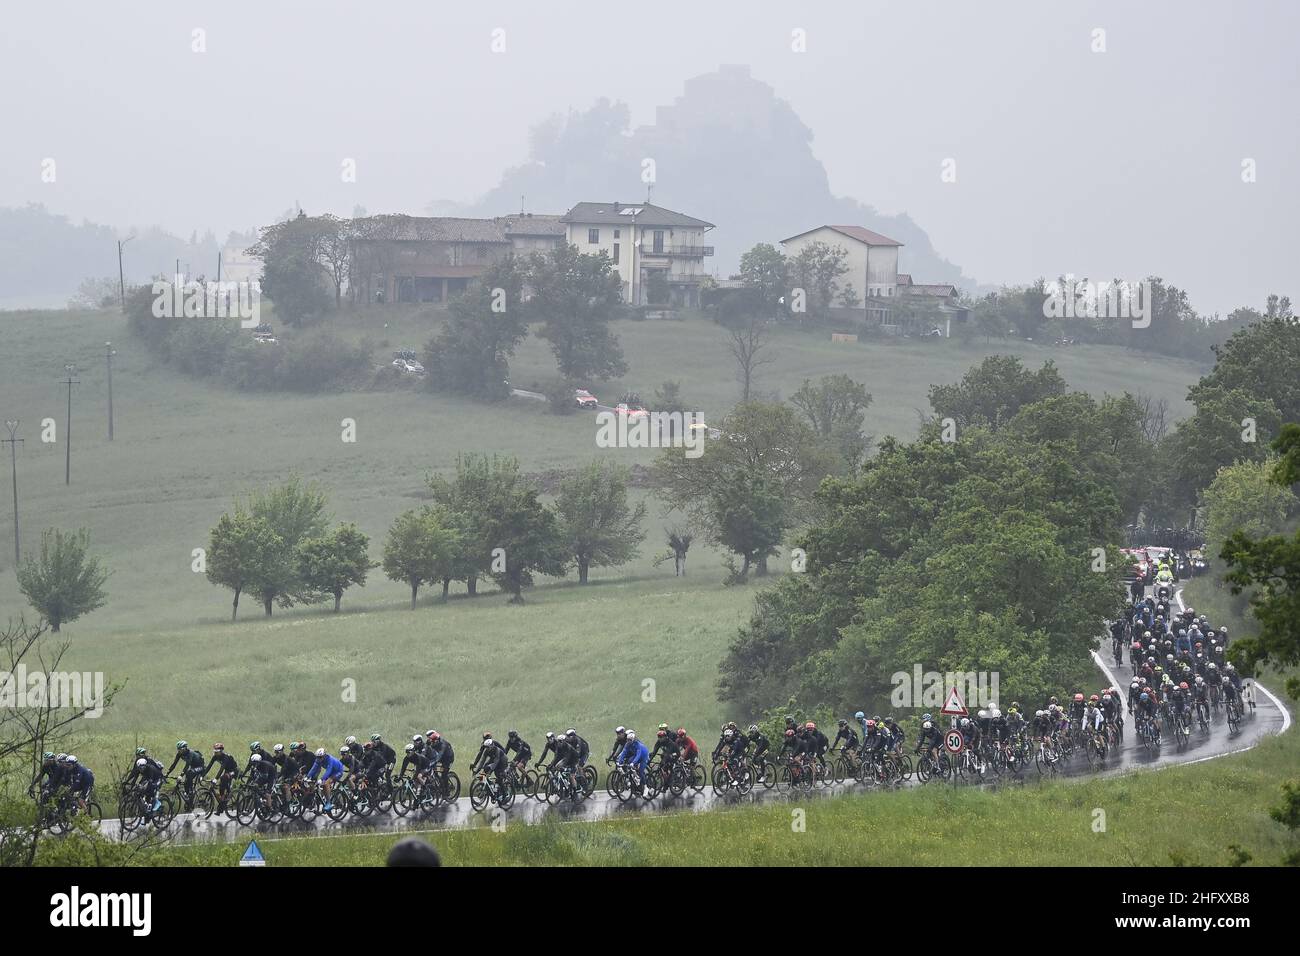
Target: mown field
point(1179, 816)
point(184, 448)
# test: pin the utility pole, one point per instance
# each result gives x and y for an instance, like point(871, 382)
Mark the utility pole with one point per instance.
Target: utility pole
point(121, 282)
point(109, 352)
point(67, 431)
point(13, 443)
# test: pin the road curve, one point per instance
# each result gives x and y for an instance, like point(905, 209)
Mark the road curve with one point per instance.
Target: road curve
point(1271, 717)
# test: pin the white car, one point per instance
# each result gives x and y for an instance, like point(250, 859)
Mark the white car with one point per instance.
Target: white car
point(409, 366)
point(264, 338)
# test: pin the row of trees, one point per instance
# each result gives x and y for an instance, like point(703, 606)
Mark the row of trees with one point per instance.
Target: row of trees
point(970, 548)
point(485, 522)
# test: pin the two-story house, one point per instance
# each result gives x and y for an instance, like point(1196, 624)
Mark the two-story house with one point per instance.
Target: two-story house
point(658, 253)
point(872, 261)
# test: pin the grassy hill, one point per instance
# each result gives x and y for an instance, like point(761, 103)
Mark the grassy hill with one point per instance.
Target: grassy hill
point(185, 447)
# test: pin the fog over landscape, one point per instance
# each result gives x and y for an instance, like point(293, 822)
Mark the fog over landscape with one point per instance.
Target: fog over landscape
point(1066, 150)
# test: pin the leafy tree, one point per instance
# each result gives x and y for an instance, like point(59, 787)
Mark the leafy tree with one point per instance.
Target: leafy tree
point(1270, 569)
point(527, 533)
point(64, 581)
point(295, 511)
point(598, 525)
point(760, 440)
point(1261, 361)
point(245, 554)
point(764, 269)
point(835, 409)
point(422, 545)
point(657, 289)
point(468, 500)
point(335, 561)
point(749, 518)
point(575, 296)
point(993, 391)
point(679, 541)
point(471, 355)
point(817, 269)
point(1244, 497)
point(293, 275)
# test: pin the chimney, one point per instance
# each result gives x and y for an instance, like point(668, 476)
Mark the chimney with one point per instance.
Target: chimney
point(616, 207)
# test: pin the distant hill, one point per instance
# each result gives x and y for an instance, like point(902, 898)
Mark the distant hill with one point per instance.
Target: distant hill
point(728, 150)
point(44, 256)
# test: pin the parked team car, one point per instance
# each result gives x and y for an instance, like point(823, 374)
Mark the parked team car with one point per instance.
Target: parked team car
point(264, 335)
point(405, 361)
point(584, 399)
point(631, 411)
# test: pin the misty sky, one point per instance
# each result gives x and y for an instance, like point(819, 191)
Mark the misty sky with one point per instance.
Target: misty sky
point(1124, 163)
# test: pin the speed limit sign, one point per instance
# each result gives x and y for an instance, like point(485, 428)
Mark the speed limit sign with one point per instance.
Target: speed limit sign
point(953, 742)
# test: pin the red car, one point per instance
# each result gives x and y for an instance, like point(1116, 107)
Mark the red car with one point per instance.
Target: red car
point(631, 411)
point(584, 399)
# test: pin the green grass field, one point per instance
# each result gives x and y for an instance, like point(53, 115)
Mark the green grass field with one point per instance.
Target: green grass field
point(184, 448)
point(1180, 816)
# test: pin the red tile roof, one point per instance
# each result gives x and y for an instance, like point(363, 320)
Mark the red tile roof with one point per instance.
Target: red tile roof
point(854, 232)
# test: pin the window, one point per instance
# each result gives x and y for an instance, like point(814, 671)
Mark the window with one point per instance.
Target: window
point(616, 248)
point(659, 240)
point(593, 237)
point(615, 233)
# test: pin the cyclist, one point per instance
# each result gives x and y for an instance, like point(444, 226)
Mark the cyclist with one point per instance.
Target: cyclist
point(519, 747)
point(195, 767)
point(330, 770)
point(620, 742)
point(761, 744)
point(79, 779)
point(443, 756)
point(566, 761)
point(583, 748)
point(255, 748)
point(229, 769)
point(1147, 713)
point(688, 751)
point(390, 755)
point(417, 759)
point(261, 774)
point(551, 742)
point(931, 738)
point(49, 776)
point(1093, 716)
point(848, 735)
point(819, 744)
point(351, 763)
point(668, 744)
point(634, 754)
point(492, 759)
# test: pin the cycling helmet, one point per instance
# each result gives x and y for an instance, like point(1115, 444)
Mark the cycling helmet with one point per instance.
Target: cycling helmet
point(488, 742)
point(435, 736)
point(219, 747)
point(550, 735)
point(926, 725)
point(375, 738)
point(1145, 697)
point(512, 734)
point(256, 758)
point(320, 751)
point(871, 724)
point(429, 733)
point(1078, 698)
point(1200, 679)
point(143, 763)
point(789, 731)
point(842, 722)
point(631, 735)
point(1183, 686)
point(665, 726)
point(345, 749)
point(681, 731)
point(182, 745)
point(859, 715)
point(255, 745)
point(47, 755)
point(570, 732)
point(965, 722)
point(416, 738)
point(728, 733)
point(1213, 666)
point(661, 733)
point(1228, 667)
point(620, 729)
point(753, 728)
point(926, 717)
point(1040, 713)
point(71, 758)
point(982, 714)
point(410, 748)
point(1137, 645)
point(1223, 631)
point(1094, 698)
point(278, 748)
point(350, 740)
point(1052, 699)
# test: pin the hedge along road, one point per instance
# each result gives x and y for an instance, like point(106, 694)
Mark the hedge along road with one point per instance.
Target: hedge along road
point(1271, 717)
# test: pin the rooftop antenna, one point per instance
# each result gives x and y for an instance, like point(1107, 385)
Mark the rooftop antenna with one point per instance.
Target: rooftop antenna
point(521, 204)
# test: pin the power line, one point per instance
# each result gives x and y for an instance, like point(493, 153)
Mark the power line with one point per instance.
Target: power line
point(67, 431)
point(13, 442)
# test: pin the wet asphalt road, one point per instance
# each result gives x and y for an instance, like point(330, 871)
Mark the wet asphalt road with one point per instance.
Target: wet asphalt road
point(1270, 717)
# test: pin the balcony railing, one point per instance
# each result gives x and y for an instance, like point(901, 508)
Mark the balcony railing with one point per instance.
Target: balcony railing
point(689, 252)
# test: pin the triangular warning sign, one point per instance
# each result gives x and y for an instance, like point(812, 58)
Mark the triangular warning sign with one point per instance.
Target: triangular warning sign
point(953, 706)
point(252, 856)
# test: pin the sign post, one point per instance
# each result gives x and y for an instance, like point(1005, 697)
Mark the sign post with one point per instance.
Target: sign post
point(252, 856)
point(953, 741)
